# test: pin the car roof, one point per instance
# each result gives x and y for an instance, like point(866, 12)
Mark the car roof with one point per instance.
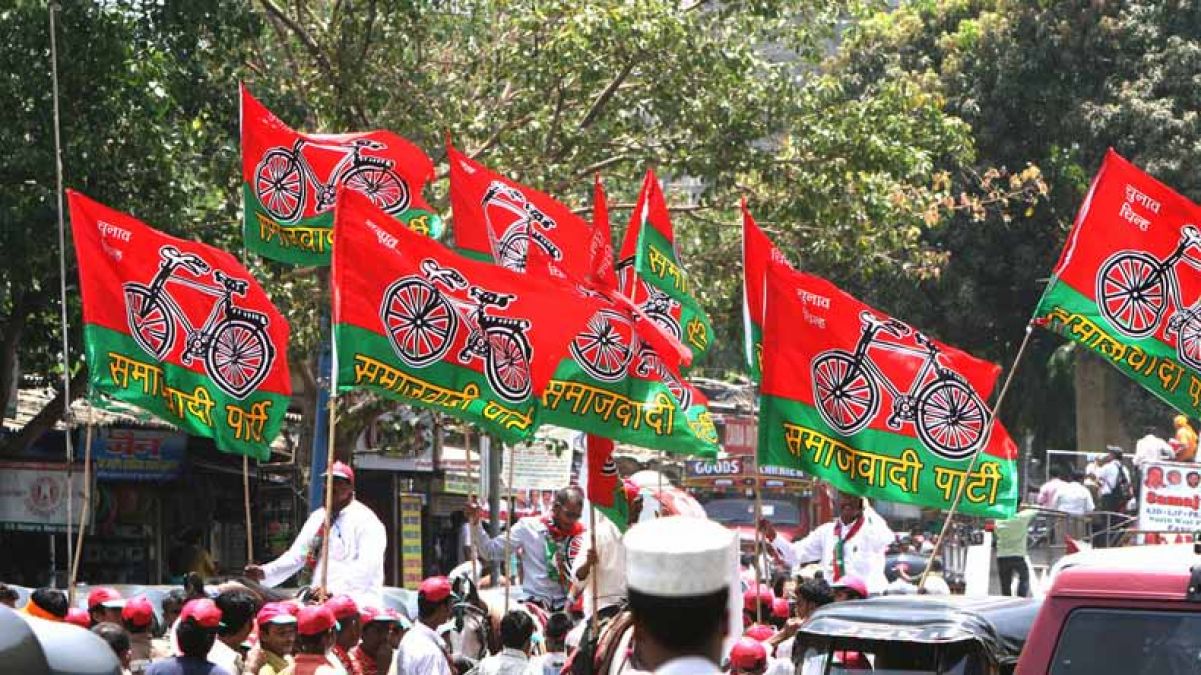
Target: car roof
point(1123, 582)
point(1166, 557)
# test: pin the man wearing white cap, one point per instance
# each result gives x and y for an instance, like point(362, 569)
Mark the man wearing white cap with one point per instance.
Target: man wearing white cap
point(679, 571)
point(357, 541)
point(854, 543)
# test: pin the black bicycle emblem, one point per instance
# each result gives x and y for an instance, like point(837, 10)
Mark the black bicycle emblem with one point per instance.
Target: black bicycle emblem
point(650, 364)
point(950, 418)
point(422, 324)
point(233, 344)
point(1135, 289)
point(604, 348)
point(657, 306)
point(522, 222)
point(283, 177)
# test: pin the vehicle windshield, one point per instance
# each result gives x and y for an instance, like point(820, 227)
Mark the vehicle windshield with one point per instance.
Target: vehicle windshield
point(894, 658)
point(1136, 642)
point(742, 511)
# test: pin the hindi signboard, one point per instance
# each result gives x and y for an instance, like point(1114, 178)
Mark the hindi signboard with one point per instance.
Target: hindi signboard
point(33, 496)
point(1170, 497)
point(150, 455)
point(538, 466)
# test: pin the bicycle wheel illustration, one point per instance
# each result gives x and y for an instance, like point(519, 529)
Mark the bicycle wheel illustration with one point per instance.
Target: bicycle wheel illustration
point(1131, 292)
point(603, 348)
point(150, 320)
point(1188, 343)
point(649, 363)
point(951, 419)
point(421, 324)
point(512, 248)
point(238, 357)
point(846, 395)
point(381, 185)
point(280, 185)
point(508, 363)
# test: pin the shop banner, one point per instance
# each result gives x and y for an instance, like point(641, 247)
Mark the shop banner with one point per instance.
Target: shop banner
point(713, 468)
point(538, 466)
point(33, 496)
point(137, 454)
point(1170, 497)
point(410, 541)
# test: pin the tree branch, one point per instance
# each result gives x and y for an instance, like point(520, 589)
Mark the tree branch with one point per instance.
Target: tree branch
point(602, 99)
point(46, 418)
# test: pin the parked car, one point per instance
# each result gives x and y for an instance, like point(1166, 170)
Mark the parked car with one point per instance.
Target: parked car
point(1127, 611)
point(915, 635)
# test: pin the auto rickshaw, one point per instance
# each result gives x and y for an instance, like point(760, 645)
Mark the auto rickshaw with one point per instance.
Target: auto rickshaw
point(915, 635)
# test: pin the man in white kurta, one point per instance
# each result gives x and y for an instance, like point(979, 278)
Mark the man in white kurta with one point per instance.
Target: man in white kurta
point(421, 650)
point(357, 542)
point(854, 543)
point(544, 543)
point(606, 567)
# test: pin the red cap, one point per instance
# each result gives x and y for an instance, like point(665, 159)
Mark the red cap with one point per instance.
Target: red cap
point(79, 617)
point(434, 589)
point(760, 632)
point(138, 612)
point(105, 596)
point(631, 489)
point(750, 597)
point(204, 612)
point(342, 607)
point(851, 583)
point(342, 470)
point(748, 654)
point(314, 620)
point(780, 609)
point(369, 614)
point(277, 613)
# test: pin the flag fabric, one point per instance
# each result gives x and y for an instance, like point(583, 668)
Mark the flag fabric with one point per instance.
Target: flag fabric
point(181, 330)
point(501, 220)
point(875, 407)
point(290, 181)
point(424, 325)
point(602, 485)
point(1128, 281)
point(650, 272)
point(757, 253)
point(601, 271)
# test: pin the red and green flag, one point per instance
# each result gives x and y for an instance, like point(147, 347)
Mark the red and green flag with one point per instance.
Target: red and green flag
point(1128, 281)
point(601, 270)
point(501, 220)
point(651, 274)
point(424, 325)
point(181, 330)
point(290, 181)
point(602, 484)
point(876, 408)
point(757, 253)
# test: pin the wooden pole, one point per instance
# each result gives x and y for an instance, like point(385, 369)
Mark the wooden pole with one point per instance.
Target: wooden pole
point(594, 575)
point(509, 526)
point(992, 420)
point(758, 542)
point(246, 503)
point(329, 461)
point(83, 512)
point(475, 570)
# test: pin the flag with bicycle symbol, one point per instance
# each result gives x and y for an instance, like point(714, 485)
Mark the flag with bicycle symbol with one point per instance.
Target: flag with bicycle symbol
point(1128, 283)
point(290, 182)
point(651, 273)
point(427, 326)
point(874, 406)
point(181, 330)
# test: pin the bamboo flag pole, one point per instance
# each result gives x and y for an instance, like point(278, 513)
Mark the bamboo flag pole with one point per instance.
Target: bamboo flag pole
point(83, 511)
point(594, 574)
point(62, 279)
point(246, 503)
point(329, 460)
point(758, 542)
point(509, 527)
point(992, 420)
point(471, 536)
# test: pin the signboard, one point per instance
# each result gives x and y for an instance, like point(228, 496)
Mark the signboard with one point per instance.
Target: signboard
point(395, 443)
point(138, 454)
point(741, 435)
point(538, 466)
point(410, 541)
point(1170, 497)
point(713, 468)
point(33, 496)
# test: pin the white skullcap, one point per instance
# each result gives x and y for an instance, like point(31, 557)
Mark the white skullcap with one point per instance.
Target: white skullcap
point(678, 556)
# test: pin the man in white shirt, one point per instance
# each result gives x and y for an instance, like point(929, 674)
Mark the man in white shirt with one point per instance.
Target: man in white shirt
point(516, 628)
point(544, 543)
point(1152, 448)
point(422, 651)
point(605, 566)
point(853, 544)
point(357, 542)
point(679, 571)
point(237, 607)
point(1046, 493)
point(1114, 490)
